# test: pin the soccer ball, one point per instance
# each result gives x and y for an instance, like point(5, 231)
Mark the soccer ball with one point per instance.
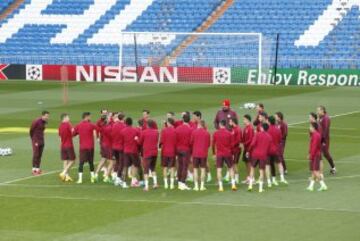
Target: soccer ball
point(34, 73)
point(250, 106)
point(6, 151)
point(222, 76)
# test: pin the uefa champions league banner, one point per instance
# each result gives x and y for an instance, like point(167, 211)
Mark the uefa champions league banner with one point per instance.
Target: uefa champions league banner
point(88, 73)
point(207, 75)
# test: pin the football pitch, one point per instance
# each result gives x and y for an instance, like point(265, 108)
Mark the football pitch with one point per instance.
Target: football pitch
point(44, 208)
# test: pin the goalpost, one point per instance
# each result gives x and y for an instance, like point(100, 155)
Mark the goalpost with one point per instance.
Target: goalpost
point(217, 58)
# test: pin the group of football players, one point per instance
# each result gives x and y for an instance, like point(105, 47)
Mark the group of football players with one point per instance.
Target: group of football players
point(129, 151)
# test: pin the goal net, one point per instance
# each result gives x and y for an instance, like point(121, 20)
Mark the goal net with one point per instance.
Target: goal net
point(216, 58)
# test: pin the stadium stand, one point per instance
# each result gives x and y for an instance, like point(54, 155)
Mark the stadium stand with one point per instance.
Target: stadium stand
point(331, 24)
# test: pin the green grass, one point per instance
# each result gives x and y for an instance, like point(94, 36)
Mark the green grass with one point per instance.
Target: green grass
point(43, 208)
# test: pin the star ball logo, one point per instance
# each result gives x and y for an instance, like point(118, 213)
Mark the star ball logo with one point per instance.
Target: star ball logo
point(33, 72)
point(222, 76)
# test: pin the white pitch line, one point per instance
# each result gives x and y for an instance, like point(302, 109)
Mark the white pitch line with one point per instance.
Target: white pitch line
point(30, 177)
point(52, 172)
point(218, 204)
point(307, 161)
point(333, 116)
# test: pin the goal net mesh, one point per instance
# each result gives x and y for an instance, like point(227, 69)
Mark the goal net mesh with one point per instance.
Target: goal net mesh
point(219, 58)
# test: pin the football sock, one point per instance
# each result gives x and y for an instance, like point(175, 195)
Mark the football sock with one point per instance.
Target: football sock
point(92, 168)
point(322, 183)
point(80, 176)
point(311, 185)
point(261, 184)
point(233, 182)
point(282, 177)
point(146, 183)
point(154, 179)
point(202, 184)
point(220, 184)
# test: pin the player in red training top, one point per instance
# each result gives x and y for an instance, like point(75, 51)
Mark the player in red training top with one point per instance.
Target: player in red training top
point(200, 143)
point(315, 158)
point(197, 117)
point(65, 132)
point(106, 150)
point(283, 126)
point(145, 118)
point(168, 152)
point(118, 146)
point(236, 149)
point(36, 132)
point(247, 136)
point(324, 123)
point(183, 150)
point(149, 139)
point(131, 152)
point(259, 153)
point(86, 131)
point(99, 124)
point(262, 118)
point(222, 145)
point(260, 108)
point(276, 137)
point(171, 115)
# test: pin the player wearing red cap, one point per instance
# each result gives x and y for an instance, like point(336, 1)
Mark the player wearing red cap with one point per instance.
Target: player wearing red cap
point(226, 113)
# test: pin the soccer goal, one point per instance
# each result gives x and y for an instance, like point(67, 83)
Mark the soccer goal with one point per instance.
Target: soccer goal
point(216, 58)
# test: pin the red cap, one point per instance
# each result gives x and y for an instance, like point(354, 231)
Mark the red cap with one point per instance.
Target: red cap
point(226, 103)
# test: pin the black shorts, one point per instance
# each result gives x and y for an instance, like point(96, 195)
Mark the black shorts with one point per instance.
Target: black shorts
point(118, 155)
point(220, 160)
point(261, 163)
point(199, 162)
point(87, 155)
point(68, 154)
point(106, 153)
point(131, 159)
point(168, 161)
point(149, 164)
